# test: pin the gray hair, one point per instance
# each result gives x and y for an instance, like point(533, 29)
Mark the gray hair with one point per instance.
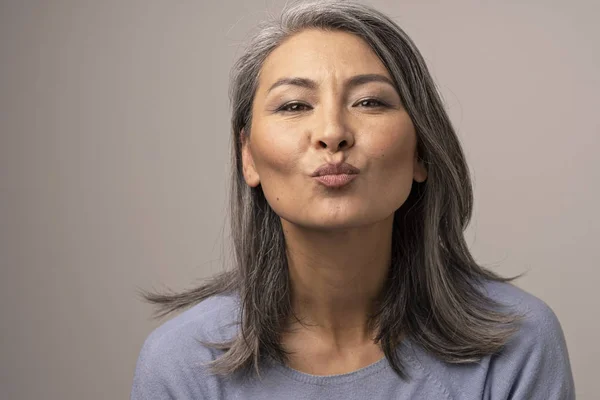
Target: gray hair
point(431, 294)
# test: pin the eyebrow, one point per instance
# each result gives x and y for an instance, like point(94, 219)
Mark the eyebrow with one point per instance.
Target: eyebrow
point(356, 80)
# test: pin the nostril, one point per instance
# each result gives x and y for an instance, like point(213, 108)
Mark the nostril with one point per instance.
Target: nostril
point(342, 144)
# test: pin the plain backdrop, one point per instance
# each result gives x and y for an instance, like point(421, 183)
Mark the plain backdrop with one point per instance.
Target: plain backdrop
point(114, 160)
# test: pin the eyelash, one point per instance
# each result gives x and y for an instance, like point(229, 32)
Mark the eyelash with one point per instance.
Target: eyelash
point(295, 103)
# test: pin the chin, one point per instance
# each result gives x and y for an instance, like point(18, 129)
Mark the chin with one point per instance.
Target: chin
point(331, 223)
point(332, 226)
point(336, 217)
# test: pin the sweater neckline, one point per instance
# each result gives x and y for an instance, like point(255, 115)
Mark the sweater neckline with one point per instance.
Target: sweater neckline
point(336, 379)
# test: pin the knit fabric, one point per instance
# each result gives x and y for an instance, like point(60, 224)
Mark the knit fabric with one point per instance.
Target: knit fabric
point(534, 364)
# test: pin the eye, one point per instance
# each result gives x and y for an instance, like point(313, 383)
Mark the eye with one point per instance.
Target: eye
point(293, 107)
point(371, 103)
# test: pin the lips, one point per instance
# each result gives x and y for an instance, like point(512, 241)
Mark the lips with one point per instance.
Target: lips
point(336, 181)
point(336, 169)
point(335, 175)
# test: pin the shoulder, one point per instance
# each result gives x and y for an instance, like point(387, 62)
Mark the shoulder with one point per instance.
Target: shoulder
point(539, 324)
point(212, 319)
point(173, 356)
point(536, 313)
point(534, 363)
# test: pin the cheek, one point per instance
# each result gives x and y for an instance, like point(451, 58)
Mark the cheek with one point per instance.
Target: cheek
point(393, 150)
point(276, 154)
point(391, 154)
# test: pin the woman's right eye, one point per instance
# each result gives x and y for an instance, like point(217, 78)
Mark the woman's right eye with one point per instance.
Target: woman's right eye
point(292, 107)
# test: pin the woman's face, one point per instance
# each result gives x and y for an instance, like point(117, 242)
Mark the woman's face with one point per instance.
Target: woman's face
point(326, 98)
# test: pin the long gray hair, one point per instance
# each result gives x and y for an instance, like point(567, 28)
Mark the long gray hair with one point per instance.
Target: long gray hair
point(431, 294)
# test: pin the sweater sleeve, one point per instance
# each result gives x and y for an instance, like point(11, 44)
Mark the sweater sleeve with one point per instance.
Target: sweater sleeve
point(172, 365)
point(535, 364)
point(150, 381)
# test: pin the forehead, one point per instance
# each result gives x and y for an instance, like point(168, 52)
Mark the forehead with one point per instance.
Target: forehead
point(319, 54)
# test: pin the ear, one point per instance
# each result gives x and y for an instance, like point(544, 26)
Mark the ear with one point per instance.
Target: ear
point(249, 169)
point(419, 170)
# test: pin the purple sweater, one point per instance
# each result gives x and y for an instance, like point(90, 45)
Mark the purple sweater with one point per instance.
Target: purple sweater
point(534, 365)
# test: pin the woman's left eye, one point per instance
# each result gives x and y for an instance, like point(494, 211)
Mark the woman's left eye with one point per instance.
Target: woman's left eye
point(370, 103)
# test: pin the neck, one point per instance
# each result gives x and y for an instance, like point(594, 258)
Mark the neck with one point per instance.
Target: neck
point(337, 277)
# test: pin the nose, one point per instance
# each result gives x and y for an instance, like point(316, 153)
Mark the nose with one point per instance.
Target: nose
point(334, 133)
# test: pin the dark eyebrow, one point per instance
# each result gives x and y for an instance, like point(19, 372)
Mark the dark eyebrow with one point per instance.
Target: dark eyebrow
point(352, 82)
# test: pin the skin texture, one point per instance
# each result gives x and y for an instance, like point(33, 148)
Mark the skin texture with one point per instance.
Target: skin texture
point(338, 239)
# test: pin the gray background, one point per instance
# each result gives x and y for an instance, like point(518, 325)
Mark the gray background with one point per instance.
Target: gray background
point(114, 122)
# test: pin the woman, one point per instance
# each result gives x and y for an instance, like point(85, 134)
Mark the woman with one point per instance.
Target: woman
point(350, 196)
